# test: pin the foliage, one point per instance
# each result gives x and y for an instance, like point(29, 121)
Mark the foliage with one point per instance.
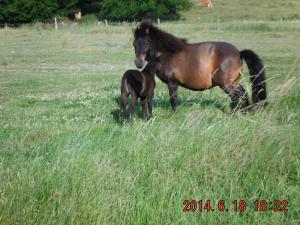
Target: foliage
point(136, 10)
point(66, 6)
point(23, 11)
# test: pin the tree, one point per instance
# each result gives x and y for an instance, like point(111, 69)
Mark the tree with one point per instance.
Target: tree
point(136, 10)
point(24, 11)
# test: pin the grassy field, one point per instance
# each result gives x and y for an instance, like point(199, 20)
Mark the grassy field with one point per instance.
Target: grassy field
point(64, 159)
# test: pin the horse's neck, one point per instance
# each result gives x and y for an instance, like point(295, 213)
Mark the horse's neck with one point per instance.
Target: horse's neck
point(166, 43)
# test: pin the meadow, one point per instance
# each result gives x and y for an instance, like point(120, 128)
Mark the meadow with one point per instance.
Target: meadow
point(64, 159)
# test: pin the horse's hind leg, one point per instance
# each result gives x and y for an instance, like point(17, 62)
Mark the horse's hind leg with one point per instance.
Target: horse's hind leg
point(237, 92)
point(132, 106)
point(123, 103)
point(173, 87)
point(145, 110)
point(244, 98)
point(150, 102)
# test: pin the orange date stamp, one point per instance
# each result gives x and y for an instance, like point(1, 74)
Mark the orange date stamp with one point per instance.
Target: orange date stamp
point(235, 206)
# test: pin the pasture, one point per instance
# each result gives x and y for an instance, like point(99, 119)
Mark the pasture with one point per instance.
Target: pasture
point(64, 159)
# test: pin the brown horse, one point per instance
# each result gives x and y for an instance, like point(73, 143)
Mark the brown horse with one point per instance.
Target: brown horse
point(200, 66)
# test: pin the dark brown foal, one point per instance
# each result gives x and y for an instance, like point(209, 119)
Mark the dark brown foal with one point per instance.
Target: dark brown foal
point(138, 85)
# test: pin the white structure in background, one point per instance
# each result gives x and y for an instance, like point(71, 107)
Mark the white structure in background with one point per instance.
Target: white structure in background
point(78, 15)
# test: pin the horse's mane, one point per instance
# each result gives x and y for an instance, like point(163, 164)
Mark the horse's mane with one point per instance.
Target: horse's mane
point(162, 40)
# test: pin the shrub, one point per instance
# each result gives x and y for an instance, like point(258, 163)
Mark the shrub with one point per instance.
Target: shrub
point(136, 10)
point(23, 11)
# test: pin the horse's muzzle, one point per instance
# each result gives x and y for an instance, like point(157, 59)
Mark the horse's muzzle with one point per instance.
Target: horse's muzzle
point(139, 63)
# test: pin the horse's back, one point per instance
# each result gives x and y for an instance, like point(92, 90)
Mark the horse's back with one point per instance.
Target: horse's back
point(132, 79)
point(220, 47)
point(132, 76)
point(226, 49)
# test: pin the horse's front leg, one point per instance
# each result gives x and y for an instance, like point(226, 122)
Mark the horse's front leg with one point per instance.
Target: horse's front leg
point(173, 87)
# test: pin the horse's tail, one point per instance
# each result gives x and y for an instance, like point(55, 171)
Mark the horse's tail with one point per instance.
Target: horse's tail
point(257, 76)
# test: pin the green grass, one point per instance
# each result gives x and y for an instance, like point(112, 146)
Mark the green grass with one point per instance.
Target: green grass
point(64, 159)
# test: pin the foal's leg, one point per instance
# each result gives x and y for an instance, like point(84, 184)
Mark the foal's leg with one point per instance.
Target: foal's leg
point(150, 102)
point(173, 87)
point(123, 103)
point(145, 111)
point(236, 92)
point(132, 106)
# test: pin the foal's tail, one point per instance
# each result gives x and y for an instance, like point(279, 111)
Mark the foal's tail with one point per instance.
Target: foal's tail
point(257, 76)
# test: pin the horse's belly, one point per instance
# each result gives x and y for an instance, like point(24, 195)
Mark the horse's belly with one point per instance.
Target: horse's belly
point(195, 70)
point(195, 79)
point(198, 82)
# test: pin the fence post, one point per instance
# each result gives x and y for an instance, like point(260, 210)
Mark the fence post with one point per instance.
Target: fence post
point(55, 23)
point(106, 23)
point(158, 21)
